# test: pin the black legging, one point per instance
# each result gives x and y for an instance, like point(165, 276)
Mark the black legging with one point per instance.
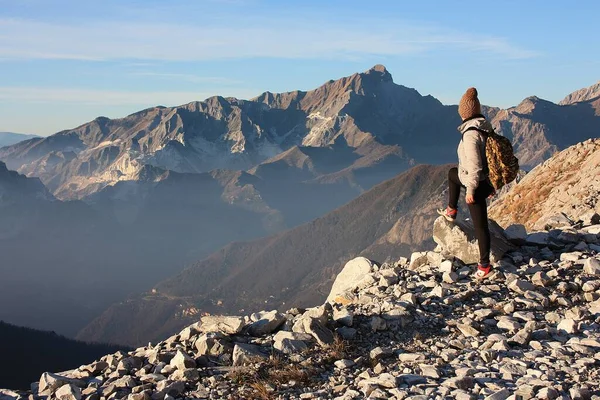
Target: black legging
point(478, 211)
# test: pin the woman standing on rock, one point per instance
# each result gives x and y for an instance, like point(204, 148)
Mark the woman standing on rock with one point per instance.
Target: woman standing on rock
point(472, 174)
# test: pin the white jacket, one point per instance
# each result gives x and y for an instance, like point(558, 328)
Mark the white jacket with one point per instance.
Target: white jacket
point(472, 163)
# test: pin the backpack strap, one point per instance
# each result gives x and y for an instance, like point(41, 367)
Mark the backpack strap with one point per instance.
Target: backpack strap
point(472, 128)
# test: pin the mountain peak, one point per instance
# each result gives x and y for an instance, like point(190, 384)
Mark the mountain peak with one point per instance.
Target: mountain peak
point(381, 71)
point(580, 95)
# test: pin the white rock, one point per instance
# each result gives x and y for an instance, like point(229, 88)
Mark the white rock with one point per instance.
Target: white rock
point(417, 260)
point(50, 383)
point(591, 266)
point(352, 273)
point(343, 364)
point(343, 316)
point(182, 361)
point(265, 323)
point(68, 392)
point(230, 325)
point(458, 240)
point(567, 325)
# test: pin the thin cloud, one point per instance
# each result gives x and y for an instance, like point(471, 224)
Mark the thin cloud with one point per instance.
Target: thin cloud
point(105, 97)
point(145, 41)
point(187, 77)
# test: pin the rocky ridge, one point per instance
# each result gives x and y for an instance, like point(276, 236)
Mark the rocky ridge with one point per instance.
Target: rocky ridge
point(584, 94)
point(568, 185)
point(419, 328)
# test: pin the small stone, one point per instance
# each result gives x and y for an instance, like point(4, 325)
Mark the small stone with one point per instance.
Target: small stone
point(547, 394)
point(464, 382)
point(520, 286)
point(468, 330)
point(438, 291)
point(319, 331)
point(182, 361)
point(417, 260)
point(343, 316)
point(68, 392)
point(572, 256)
point(579, 393)
point(411, 357)
point(344, 364)
point(346, 332)
point(567, 325)
point(445, 266)
point(508, 324)
point(290, 346)
point(429, 371)
point(378, 324)
point(501, 394)
point(190, 374)
point(450, 277)
point(541, 279)
point(378, 353)
point(591, 266)
point(246, 354)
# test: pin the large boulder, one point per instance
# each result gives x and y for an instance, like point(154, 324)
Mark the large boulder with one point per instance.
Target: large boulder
point(213, 344)
point(229, 325)
point(350, 277)
point(265, 322)
point(458, 239)
point(182, 361)
point(68, 392)
point(50, 383)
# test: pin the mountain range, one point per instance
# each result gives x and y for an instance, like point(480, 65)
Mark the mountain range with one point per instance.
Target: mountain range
point(117, 205)
point(10, 138)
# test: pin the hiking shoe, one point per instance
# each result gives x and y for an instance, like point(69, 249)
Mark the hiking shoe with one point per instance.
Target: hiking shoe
point(449, 213)
point(483, 271)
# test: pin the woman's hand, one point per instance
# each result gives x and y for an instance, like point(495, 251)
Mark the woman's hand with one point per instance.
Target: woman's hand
point(470, 199)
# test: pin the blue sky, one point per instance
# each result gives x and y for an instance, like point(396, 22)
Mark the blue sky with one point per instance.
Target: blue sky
point(63, 63)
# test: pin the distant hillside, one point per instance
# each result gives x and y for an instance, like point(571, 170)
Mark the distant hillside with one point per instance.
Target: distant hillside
point(10, 138)
point(295, 267)
point(27, 353)
point(63, 262)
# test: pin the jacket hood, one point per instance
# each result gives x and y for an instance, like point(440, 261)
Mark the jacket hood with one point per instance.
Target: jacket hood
point(479, 122)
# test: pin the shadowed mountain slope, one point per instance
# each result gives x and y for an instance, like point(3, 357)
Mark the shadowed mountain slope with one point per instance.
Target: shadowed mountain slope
point(27, 353)
point(293, 267)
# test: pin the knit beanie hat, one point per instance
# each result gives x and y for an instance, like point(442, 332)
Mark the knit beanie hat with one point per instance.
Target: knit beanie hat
point(469, 105)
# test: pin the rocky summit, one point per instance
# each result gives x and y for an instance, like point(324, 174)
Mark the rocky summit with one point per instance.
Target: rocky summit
point(419, 328)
